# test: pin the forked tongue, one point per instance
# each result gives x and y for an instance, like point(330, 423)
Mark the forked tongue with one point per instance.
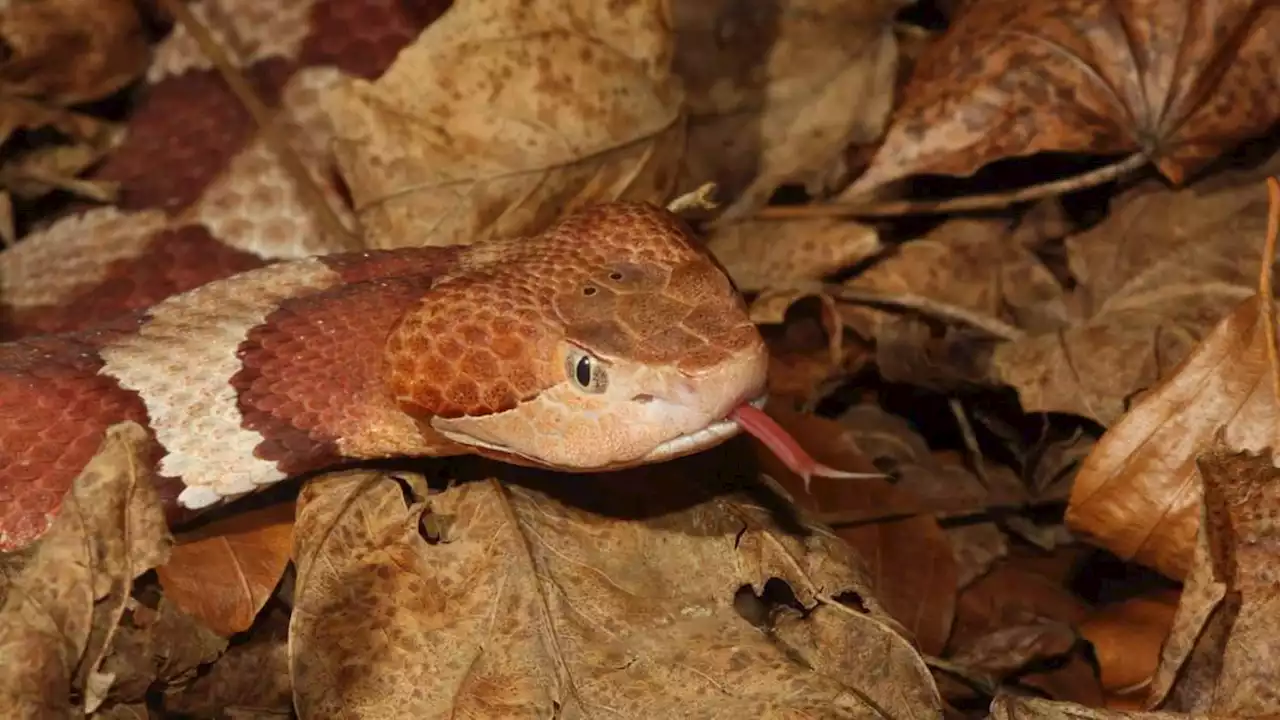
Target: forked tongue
point(759, 425)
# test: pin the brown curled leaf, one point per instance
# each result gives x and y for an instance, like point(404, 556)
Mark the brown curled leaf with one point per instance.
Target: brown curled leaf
point(1179, 81)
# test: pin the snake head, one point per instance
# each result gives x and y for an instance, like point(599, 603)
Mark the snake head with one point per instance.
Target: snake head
point(610, 340)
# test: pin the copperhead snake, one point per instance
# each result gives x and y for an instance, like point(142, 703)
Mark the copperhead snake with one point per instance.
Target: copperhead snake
point(211, 306)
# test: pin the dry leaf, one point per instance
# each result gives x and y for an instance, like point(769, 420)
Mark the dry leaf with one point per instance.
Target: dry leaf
point(61, 612)
point(224, 572)
point(1178, 81)
point(66, 52)
point(553, 595)
point(1005, 650)
point(1153, 279)
point(504, 114)
point(1137, 493)
point(1014, 593)
point(912, 567)
point(251, 675)
point(779, 88)
point(1127, 637)
point(156, 648)
point(971, 264)
point(1008, 707)
point(1220, 657)
point(759, 254)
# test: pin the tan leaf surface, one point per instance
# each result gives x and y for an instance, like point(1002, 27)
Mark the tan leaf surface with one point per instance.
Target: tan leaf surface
point(504, 114)
point(763, 253)
point(779, 88)
point(1222, 657)
point(1179, 81)
point(1138, 494)
point(910, 561)
point(602, 596)
point(61, 612)
point(1154, 278)
point(224, 572)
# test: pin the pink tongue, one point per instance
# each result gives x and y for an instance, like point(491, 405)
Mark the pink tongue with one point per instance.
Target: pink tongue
point(762, 427)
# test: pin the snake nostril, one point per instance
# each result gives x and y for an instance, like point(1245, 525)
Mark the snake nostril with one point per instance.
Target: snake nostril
point(642, 398)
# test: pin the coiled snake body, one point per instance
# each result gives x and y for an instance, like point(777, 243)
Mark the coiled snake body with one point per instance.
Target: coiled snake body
point(212, 307)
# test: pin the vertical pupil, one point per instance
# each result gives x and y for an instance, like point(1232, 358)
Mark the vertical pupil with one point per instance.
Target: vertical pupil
point(583, 371)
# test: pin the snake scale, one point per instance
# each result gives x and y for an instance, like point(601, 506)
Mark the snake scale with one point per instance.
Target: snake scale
point(212, 306)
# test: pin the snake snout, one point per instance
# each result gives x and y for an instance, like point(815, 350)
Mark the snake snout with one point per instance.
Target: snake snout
point(642, 398)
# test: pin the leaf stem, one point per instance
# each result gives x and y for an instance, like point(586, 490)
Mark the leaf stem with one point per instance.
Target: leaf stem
point(897, 208)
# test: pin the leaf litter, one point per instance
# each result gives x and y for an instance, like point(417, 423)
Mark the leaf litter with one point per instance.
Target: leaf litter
point(1042, 388)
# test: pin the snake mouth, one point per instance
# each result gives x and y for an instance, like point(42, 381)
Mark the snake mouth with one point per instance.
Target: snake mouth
point(699, 440)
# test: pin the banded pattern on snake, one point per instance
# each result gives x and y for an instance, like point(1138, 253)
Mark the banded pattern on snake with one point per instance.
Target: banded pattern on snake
point(212, 307)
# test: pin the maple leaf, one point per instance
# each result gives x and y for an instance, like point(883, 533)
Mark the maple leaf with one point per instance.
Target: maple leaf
point(1178, 81)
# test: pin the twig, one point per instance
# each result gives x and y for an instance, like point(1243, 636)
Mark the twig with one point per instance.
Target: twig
point(699, 199)
point(1265, 288)
point(897, 208)
point(992, 326)
point(261, 115)
point(970, 441)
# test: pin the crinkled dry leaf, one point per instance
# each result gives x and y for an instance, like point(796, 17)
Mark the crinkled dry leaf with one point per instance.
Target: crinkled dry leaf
point(1137, 493)
point(1015, 592)
point(66, 52)
point(1005, 650)
point(610, 594)
point(940, 485)
point(504, 114)
point(1153, 279)
point(224, 572)
point(251, 675)
point(911, 563)
point(759, 254)
point(1127, 636)
point(966, 263)
point(156, 648)
point(62, 611)
point(1221, 656)
point(779, 88)
point(1179, 81)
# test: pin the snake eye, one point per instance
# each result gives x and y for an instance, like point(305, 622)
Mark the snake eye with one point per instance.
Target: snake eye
point(586, 371)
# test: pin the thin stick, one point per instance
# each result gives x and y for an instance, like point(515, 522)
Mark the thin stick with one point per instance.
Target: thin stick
point(261, 116)
point(1265, 288)
point(946, 311)
point(897, 208)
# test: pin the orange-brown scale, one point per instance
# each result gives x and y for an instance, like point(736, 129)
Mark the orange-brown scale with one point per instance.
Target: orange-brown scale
point(621, 280)
point(54, 411)
point(176, 260)
point(312, 372)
